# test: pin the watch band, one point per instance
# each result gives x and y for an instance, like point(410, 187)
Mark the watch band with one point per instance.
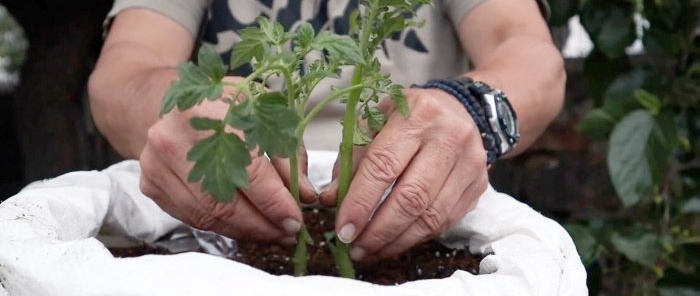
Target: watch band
point(461, 89)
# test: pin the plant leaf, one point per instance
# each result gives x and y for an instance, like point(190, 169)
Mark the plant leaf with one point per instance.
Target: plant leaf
point(193, 86)
point(305, 36)
point(220, 162)
point(340, 47)
point(629, 171)
point(644, 249)
point(268, 124)
point(375, 118)
point(650, 101)
point(399, 99)
point(596, 124)
point(210, 62)
point(244, 51)
point(585, 243)
point(360, 137)
point(691, 206)
point(204, 124)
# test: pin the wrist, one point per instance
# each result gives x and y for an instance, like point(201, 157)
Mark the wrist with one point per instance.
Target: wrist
point(489, 108)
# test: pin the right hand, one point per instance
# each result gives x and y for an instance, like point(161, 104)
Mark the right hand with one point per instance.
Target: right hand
point(264, 211)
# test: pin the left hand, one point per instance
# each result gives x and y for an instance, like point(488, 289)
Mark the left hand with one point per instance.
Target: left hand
point(437, 159)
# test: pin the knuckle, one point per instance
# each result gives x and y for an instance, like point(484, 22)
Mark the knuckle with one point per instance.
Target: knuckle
point(378, 238)
point(360, 205)
point(382, 165)
point(204, 221)
point(255, 171)
point(217, 209)
point(424, 109)
point(161, 142)
point(412, 199)
point(274, 204)
point(433, 222)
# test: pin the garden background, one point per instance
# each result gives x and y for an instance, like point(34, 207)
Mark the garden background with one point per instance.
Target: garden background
point(620, 166)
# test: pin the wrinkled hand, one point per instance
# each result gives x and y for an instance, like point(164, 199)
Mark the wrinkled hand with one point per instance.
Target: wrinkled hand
point(437, 159)
point(264, 211)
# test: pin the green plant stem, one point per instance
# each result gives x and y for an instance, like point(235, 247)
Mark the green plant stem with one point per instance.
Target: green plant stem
point(310, 116)
point(342, 257)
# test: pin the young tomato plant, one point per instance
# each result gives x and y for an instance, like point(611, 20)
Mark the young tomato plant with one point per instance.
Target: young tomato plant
point(273, 122)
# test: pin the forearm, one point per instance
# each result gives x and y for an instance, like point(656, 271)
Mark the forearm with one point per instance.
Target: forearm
point(531, 72)
point(125, 97)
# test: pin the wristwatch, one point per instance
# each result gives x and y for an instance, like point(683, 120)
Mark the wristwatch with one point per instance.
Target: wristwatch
point(499, 114)
point(489, 108)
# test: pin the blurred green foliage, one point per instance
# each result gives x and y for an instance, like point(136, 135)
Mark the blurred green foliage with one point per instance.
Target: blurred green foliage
point(13, 48)
point(646, 108)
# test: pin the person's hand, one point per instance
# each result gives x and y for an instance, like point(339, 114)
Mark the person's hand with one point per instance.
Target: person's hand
point(437, 159)
point(264, 211)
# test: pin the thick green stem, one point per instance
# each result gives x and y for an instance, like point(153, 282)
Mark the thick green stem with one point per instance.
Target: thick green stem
point(342, 257)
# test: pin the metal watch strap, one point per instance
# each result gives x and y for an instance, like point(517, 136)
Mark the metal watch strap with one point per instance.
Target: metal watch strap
point(460, 90)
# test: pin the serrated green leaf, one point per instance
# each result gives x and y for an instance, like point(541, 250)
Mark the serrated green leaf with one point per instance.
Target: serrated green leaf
point(644, 249)
point(220, 162)
point(596, 124)
point(305, 35)
point(241, 116)
point(360, 136)
point(648, 100)
point(585, 243)
point(244, 51)
point(204, 124)
point(337, 46)
point(629, 170)
point(210, 62)
point(191, 89)
point(399, 99)
point(268, 123)
point(375, 118)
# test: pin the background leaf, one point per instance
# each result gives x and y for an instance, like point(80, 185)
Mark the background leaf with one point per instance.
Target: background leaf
point(596, 124)
point(644, 249)
point(629, 172)
point(586, 244)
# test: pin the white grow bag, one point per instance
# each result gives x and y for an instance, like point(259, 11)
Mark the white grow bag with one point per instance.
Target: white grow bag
point(48, 247)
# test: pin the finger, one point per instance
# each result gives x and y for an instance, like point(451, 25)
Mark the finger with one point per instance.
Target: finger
point(413, 197)
point(268, 194)
point(188, 203)
point(450, 206)
point(307, 190)
point(386, 158)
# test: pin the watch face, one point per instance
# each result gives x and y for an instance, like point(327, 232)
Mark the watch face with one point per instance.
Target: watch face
point(506, 117)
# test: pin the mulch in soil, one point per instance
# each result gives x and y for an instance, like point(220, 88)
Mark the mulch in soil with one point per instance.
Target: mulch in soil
point(429, 260)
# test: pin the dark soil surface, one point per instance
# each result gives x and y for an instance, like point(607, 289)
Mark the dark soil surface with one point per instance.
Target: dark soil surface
point(430, 260)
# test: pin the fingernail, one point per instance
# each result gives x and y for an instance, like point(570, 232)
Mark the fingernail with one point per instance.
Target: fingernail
point(357, 253)
point(291, 225)
point(288, 241)
point(347, 233)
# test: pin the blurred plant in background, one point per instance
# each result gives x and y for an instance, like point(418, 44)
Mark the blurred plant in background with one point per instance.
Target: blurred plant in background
point(645, 106)
point(13, 49)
